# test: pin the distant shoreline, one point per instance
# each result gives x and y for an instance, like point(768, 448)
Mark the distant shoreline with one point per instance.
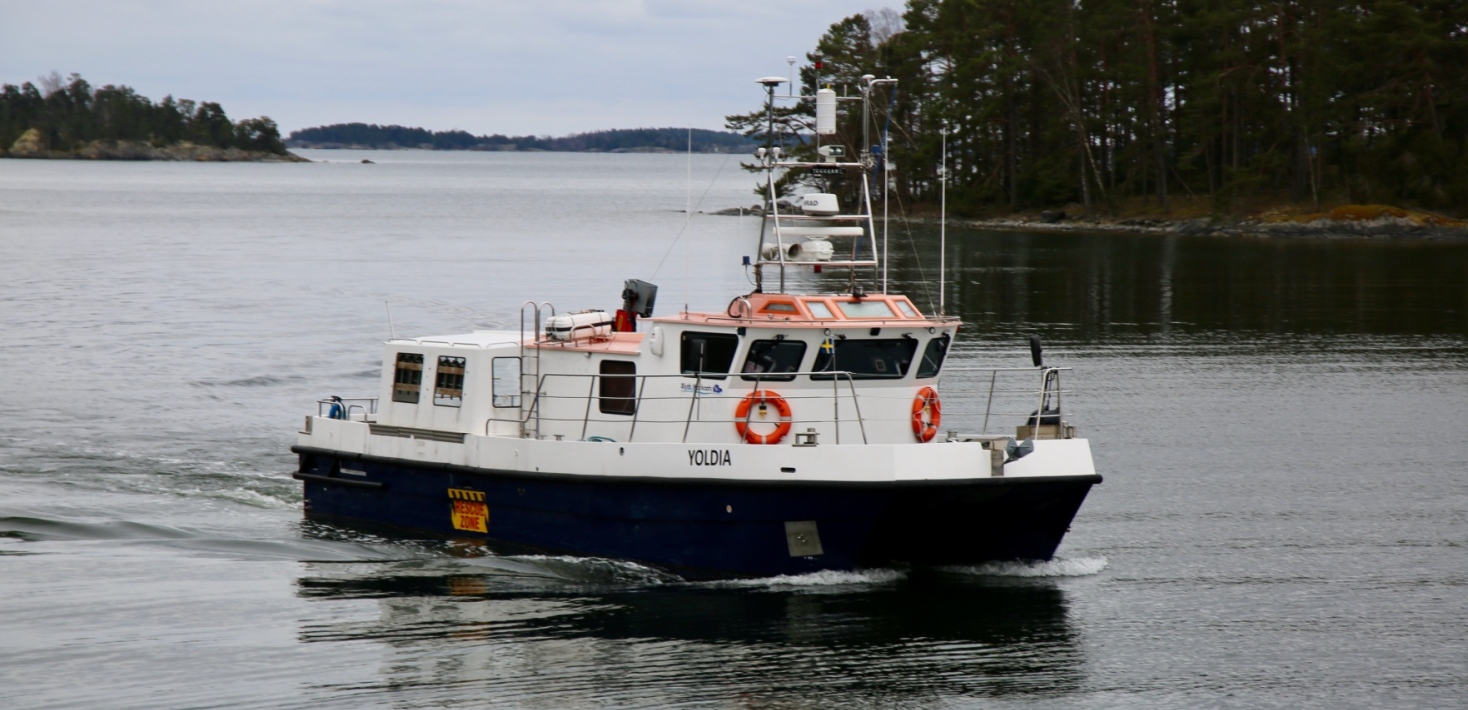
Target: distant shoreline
point(370, 136)
point(500, 149)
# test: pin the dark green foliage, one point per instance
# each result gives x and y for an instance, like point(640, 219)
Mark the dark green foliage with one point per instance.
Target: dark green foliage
point(74, 114)
point(375, 136)
point(1102, 102)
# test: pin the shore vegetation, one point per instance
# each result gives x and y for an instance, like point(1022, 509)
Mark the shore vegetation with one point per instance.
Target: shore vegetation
point(68, 118)
point(1120, 106)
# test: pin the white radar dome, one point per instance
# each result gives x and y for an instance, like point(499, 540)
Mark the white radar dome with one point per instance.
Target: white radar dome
point(819, 204)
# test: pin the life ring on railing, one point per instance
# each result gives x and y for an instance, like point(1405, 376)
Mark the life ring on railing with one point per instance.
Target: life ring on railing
point(926, 401)
point(764, 399)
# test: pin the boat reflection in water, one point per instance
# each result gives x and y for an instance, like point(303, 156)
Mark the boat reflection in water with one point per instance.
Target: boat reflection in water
point(580, 630)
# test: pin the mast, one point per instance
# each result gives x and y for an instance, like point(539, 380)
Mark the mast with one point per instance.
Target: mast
point(769, 82)
point(802, 237)
point(942, 216)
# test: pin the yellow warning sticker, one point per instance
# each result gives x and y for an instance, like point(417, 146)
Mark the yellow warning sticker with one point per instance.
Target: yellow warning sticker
point(469, 511)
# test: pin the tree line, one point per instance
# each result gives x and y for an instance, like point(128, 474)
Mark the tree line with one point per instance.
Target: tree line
point(375, 136)
point(1134, 103)
point(69, 114)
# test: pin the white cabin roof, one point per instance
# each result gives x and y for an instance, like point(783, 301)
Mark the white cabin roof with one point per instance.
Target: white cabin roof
point(479, 339)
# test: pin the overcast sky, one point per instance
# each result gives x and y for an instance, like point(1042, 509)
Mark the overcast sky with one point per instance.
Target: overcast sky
point(543, 67)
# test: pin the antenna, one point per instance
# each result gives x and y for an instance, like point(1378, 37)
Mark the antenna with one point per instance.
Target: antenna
point(769, 82)
point(790, 90)
point(391, 331)
point(870, 82)
point(942, 217)
point(687, 219)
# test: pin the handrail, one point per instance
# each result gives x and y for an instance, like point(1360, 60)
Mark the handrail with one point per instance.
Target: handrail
point(1049, 386)
point(534, 405)
point(837, 376)
point(367, 405)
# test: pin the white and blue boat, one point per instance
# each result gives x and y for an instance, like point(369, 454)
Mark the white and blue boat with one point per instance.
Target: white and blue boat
point(789, 433)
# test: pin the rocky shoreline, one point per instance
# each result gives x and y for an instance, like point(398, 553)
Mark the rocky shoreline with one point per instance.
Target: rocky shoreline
point(29, 147)
point(1345, 222)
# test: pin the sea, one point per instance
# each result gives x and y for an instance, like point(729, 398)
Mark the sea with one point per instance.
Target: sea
point(1282, 425)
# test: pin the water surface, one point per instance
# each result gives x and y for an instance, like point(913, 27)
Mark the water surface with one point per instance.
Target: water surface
point(1280, 425)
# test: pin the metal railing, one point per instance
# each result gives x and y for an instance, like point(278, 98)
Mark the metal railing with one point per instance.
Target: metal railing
point(1035, 406)
point(1046, 398)
point(539, 399)
point(357, 409)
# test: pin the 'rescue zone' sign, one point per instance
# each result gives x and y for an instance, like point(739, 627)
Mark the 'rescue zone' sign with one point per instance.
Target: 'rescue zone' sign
point(468, 511)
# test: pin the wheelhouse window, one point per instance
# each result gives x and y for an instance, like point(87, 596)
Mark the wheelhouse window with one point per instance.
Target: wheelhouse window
point(618, 391)
point(505, 372)
point(865, 309)
point(708, 355)
point(448, 382)
point(867, 359)
point(768, 358)
point(933, 357)
point(407, 378)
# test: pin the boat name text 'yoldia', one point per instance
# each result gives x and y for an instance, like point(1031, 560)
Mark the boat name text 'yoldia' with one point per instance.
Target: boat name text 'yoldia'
point(711, 457)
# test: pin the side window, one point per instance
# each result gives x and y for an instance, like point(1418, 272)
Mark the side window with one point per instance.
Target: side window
point(873, 359)
point(448, 382)
point(407, 378)
point(618, 390)
point(773, 356)
point(708, 355)
point(506, 387)
point(933, 357)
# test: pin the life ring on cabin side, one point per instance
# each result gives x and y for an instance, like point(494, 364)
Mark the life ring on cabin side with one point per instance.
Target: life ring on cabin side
point(926, 401)
point(762, 398)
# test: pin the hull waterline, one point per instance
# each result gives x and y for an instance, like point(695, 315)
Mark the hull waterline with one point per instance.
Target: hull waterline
point(706, 528)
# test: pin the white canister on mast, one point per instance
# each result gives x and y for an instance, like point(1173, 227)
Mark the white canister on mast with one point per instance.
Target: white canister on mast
point(825, 112)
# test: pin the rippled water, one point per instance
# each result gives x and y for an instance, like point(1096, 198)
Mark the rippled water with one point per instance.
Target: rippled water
point(1280, 424)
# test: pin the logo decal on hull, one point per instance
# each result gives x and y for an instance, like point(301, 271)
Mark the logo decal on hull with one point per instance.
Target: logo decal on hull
point(467, 510)
point(702, 389)
point(709, 457)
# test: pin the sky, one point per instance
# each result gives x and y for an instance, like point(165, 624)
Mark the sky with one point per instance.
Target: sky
point(527, 67)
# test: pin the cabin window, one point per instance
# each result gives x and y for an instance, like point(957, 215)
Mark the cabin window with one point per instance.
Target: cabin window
point(907, 309)
point(933, 357)
point(865, 309)
point(505, 389)
point(448, 382)
point(819, 309)
point(768, 358)
point(407, 378)
point(708, 355)
point(779, 307)
point(868, 359)
point(618, 387)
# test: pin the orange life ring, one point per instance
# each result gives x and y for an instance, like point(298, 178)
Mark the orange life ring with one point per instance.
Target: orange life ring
point(926, 401)
point(763, 398)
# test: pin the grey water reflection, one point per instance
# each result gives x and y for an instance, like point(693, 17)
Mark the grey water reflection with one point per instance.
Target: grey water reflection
point(523, 637)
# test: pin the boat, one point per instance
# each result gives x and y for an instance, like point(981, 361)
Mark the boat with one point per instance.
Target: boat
point(795, 431)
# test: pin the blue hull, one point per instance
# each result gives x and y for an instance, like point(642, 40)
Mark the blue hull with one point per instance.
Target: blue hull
point(702, 529)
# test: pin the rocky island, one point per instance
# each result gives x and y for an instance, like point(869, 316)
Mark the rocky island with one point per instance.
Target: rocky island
point(68, 119)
